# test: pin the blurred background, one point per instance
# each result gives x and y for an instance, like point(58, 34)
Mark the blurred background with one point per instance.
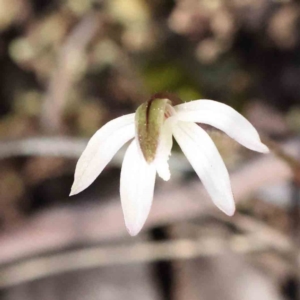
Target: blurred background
point(69, 66)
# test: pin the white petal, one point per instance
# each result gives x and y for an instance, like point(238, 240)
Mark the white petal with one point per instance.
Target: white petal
point(224, 118)
point(164, 150)
point(100, 149)
point(207, 162)
point(136, 189)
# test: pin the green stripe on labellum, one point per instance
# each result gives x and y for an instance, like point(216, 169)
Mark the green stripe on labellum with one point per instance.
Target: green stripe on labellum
point(149, 119)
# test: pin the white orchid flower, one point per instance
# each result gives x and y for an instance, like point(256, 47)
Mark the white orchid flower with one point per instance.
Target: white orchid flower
point(152, 128)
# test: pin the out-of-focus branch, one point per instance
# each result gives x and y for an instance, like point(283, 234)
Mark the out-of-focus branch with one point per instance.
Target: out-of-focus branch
point(59, 228)
point(66, 147)
point(43, 146)
point(137, 253)
point(66, 71)
point(261, 231)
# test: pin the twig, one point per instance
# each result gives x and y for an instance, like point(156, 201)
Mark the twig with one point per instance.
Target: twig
point(60, 228)
point(43, 146)
point(67, 147)
point(260, 230)
point(66, 71)
point(181, 249)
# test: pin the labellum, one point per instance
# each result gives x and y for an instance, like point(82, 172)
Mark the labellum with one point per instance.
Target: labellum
point(149, 119)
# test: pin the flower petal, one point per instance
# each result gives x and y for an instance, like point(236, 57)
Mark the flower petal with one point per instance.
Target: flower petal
point(136, 189)
point(224, 118)
point(207, 162)
point(100, 149)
